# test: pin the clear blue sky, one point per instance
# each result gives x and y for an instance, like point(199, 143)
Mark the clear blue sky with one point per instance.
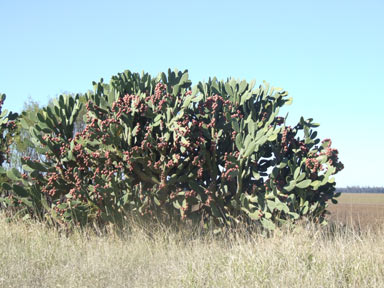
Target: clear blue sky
point(327, 54)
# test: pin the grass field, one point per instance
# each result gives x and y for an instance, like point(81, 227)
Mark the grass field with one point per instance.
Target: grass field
point(35, 256)
point(361, 210)
point(156, 256)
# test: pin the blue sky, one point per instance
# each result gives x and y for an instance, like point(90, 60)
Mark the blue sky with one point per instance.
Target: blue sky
point(327, 54)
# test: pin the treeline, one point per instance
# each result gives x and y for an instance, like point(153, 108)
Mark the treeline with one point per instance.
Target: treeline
point(358, 189)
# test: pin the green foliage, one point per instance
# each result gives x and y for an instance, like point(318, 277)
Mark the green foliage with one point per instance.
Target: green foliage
point(215, 153)
point(7, 130)
point(21, 145)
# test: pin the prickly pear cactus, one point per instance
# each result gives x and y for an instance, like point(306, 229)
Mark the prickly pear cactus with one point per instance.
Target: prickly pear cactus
point(215, 152)
point(40, 188)
point(7, 132)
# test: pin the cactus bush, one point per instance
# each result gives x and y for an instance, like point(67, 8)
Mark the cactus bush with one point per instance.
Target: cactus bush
point(217, 152)
point(7, 131)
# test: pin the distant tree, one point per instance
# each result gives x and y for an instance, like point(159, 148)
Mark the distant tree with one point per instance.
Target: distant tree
point(22, 146)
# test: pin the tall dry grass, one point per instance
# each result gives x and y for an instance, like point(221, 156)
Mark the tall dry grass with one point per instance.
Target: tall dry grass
point(31, 255)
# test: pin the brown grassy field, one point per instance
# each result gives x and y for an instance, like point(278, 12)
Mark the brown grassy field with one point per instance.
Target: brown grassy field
point(362, 210)
point(151, 255)
point(32, 255)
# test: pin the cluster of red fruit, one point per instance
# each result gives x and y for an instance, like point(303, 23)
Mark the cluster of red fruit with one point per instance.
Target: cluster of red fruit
point(286, 138)
point(313, 165)
point(229, 166)
point(332, 154)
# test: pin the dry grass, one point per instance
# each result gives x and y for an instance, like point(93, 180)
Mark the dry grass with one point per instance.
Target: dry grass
point(34, 256)
point(365, 211)
point(362, 198)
